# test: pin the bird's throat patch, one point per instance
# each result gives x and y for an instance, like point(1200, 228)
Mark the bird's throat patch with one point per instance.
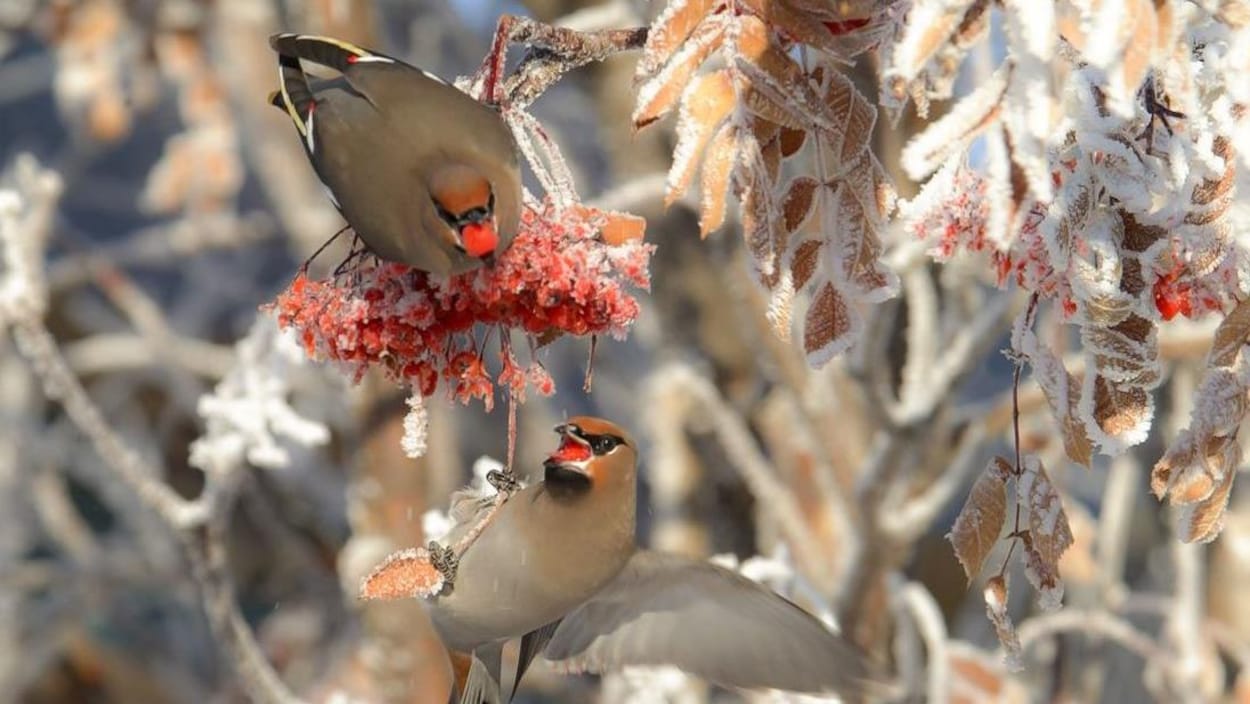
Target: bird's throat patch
point(479, 239)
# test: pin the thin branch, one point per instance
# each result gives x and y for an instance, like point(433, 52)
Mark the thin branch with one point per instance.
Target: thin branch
point(1090, 623)
point(924, 612)
point(774, 498)
point(25, 221)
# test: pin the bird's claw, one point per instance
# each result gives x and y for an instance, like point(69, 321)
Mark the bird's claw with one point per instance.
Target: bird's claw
point(445, 560)
point(505, 482)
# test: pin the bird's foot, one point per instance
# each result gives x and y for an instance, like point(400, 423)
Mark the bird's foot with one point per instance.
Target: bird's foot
point(445, 560)
point(505, 482)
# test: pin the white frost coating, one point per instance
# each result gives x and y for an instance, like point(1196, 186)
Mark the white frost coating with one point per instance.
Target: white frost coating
point(416, 427)
point(247, 416)
point(916, 47)
point(946, 137)
point(699, 43)
point(1106, 443)
point(1048, 527)
point(435, 524)
point(25, 219)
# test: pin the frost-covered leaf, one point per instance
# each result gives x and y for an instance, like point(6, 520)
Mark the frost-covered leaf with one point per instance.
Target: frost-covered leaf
point(980, 522)
point(854, 114)
point(668, 31)
point(797, 202)
point(829, 326)
point(1231, 336)
point(1201, 522)
point(1062, 391)
point(706, 103)
point(763, 224)
point(620, 228)
point(1197, 470)
point(996, 609)
point(929, 25)
point(661, 92)
point(956, 129)
point(803, 265)
point(718, 165)
point(406, 574)
point(1116, 417)
point(1049, 532)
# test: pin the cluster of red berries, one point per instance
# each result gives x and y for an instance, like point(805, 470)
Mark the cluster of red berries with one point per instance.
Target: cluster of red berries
point(567, 272)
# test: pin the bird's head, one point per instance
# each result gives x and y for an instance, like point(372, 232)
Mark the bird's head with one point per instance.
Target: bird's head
point(465, 203)
point(592, 451)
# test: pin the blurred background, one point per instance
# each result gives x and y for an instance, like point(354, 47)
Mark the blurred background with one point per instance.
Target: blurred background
point(186, 203)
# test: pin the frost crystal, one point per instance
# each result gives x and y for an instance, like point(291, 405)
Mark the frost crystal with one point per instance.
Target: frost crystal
point(248, 414)
point(416, 427)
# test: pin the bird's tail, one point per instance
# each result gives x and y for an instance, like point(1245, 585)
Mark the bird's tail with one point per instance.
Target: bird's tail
point(293, 95)
point(327, 51)
point(477, 676)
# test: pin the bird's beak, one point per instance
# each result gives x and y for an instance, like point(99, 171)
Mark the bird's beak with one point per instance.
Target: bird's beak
point(574, 452)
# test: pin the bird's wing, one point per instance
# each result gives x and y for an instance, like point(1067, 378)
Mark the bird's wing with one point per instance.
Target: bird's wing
point(532, 644)
point(710, 622)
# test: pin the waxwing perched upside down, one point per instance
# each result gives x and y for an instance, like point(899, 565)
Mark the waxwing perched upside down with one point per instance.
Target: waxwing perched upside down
point(424, 174)
point(558, 566)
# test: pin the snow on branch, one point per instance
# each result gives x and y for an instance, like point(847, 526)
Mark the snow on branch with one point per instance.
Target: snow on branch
point(26, 215)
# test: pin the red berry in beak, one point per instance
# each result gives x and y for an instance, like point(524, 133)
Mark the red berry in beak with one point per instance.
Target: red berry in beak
point(571, 450)
point(479, 239)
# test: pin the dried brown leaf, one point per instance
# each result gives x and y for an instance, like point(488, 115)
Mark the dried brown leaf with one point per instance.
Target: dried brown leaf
point(827, 327)
point(718, 166)
point(791, 141)
point(669, 30)
point(1231, 336)
point(1203, 521)
point(1121, 411)
point(661, 92)
point(854, 113)
point(797, 202)
point(705, 105)
point(996, 609)
point(1049, 532)
point(980, 522)
point(404, 575)
point(803, 265)
point(622, 227)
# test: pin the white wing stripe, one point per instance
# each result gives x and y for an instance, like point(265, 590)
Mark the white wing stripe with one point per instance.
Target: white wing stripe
point(312, 147)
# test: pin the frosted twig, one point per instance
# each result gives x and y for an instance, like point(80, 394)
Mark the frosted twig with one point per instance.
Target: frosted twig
point(161, 244)
point(1093, 623)
point(24, 293)
point(111, 352)
point(908, 520)
point(1184, 621)
point(1123, 481)
point(774, 498)
point(553, 52)
point(923, 340)
point(924, 612)
point(932, 382)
